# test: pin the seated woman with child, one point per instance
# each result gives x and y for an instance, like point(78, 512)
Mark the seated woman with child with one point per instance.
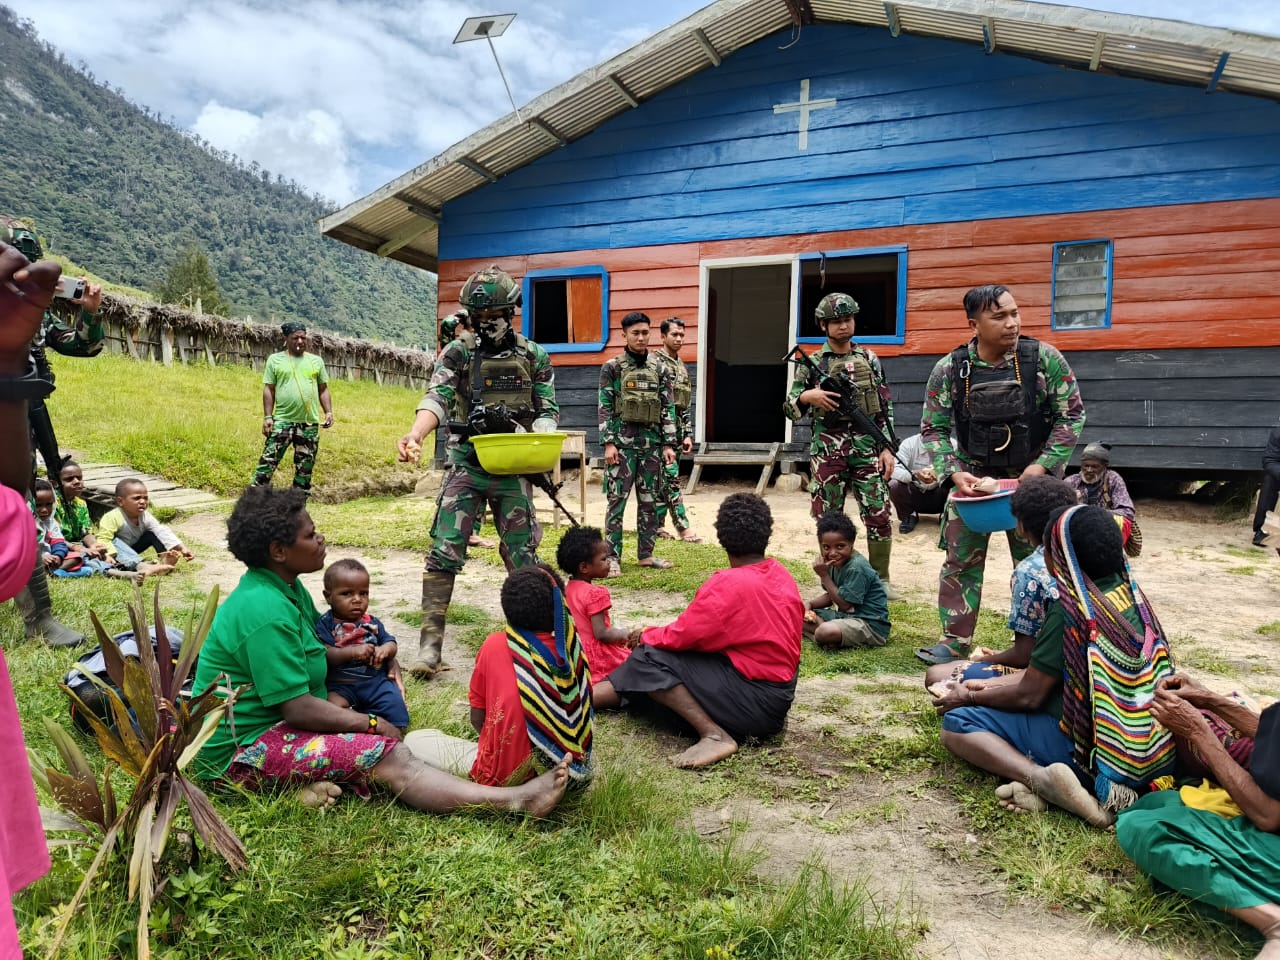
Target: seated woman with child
point(1227, 857)
point(282, 730)
point(727, 665)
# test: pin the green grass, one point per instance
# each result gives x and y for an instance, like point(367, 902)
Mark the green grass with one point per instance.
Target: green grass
point(200, 426)
point(1270, 629)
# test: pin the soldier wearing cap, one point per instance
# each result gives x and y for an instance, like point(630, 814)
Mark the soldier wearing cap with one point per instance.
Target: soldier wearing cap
point(842, 458)
point(295, 395)
point(505, 380)
point(81, 339)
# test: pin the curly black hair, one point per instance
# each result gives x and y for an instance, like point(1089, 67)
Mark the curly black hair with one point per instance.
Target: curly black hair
point(263, 516)
point(577, 547)
point(834, 521)
point(345, 565)
point(1035, 499)
point(1097, 541)
point(528, 598)
point(743, 525)
point(41, 484)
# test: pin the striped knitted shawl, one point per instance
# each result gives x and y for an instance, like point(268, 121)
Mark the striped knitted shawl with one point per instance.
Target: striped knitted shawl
point(555, 692)
point(1110, 673)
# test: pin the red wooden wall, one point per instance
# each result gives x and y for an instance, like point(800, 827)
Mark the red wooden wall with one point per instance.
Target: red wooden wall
point(1191, 275)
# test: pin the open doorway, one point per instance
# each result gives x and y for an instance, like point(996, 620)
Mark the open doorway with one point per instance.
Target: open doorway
point(747, 332)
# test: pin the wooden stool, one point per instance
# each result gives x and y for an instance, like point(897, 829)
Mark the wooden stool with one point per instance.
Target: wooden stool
point(575, 447)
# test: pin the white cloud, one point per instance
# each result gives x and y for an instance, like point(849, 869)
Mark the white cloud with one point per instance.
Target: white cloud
point(309, 147)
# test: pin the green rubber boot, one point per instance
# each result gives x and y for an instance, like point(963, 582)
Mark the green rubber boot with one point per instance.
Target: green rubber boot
point(437, 591)
point(878, 552)
point(37, 613)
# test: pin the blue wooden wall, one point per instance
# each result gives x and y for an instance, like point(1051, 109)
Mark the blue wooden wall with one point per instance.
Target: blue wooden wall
point(923, 131)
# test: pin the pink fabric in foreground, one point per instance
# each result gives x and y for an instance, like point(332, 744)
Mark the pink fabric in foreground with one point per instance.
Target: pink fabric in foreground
point(17, 543)
point(24, 858)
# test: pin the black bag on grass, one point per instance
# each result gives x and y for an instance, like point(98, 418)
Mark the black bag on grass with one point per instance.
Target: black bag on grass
point(95, 662)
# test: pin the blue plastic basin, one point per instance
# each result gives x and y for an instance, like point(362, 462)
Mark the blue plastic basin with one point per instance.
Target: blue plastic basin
point(987, 514)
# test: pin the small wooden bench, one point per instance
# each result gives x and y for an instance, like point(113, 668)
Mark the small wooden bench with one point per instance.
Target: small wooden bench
point(734, 455)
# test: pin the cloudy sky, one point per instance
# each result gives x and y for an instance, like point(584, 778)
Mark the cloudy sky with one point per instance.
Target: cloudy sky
point(344, 95)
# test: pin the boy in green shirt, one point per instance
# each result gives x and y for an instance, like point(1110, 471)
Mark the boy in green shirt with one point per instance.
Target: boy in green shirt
point(295, 395)
point(853, 610)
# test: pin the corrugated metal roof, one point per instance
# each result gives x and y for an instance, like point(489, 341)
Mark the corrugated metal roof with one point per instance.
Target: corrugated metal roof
point(400, 219)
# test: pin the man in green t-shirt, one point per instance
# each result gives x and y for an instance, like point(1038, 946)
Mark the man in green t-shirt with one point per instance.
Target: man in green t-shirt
point(295, 405)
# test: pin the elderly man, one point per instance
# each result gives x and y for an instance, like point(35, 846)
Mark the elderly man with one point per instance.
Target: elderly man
point(295, 405)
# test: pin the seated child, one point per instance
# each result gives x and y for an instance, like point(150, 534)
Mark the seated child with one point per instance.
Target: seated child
point(584, 555)
point(853, 610)
point(1032, 588)
point(357, 647)
point(64, 558)
point(129, 529)
point(530, 694)
point(73, 513)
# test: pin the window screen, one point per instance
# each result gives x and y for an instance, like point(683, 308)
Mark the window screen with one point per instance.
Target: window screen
point(1082, 285)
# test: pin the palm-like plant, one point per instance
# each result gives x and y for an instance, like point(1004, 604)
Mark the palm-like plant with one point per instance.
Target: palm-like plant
point(153, 745)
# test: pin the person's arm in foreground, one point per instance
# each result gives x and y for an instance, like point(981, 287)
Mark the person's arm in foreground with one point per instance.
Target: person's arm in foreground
point(1241, 719)
point(320, 716)
point(326, 404)
point(1019, 655)
point(618, 636)
point(25, 292)
point(1185, 720)
point(1027, 695)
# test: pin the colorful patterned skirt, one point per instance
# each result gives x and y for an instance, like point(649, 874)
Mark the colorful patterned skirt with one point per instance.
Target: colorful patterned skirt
point(286, 756)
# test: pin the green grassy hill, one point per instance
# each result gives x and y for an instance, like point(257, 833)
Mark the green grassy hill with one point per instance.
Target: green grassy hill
point(112, 187)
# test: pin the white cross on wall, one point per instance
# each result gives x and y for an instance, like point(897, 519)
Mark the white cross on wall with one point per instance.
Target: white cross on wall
point(803, 106)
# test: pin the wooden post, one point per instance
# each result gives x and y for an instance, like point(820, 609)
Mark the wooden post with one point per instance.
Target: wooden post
point(131, 341)
point(166, 345)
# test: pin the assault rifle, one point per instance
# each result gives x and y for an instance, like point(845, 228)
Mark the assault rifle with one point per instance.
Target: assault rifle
point(496, 418)
point(848, 406)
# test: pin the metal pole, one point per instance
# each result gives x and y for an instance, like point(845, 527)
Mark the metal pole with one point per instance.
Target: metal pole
point(492, 50)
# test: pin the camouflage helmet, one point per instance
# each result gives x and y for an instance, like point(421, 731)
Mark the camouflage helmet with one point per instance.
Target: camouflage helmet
point(834, 306)
point(490, 289)
point(20, 236)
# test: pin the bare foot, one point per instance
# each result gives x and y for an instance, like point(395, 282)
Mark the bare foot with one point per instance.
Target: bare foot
point(474, 541)
point(170, 558)
point(1057, 784)
point(153, 570)
point(1019, 798)
point(707, 751)
point(540, 795)
point(319, 796)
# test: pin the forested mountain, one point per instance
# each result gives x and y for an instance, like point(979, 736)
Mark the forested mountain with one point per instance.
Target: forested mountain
point(117, 189)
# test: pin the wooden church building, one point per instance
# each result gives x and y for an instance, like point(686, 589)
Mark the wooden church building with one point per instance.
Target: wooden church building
point(1120, 174)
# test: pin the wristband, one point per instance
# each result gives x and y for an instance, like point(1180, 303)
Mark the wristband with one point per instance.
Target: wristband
point(373, 723)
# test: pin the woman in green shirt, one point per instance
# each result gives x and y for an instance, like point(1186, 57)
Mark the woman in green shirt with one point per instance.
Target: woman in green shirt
point(285, 732)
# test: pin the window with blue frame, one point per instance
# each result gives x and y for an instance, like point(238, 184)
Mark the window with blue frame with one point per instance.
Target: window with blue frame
point(565, 309)
point(876, 278)
point(1082, 285)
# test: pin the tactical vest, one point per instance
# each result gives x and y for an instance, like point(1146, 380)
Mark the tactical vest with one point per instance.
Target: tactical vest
point(638, 397)
point(505, 380)
point(997, 422)
point(681, 386)
point(860, 382)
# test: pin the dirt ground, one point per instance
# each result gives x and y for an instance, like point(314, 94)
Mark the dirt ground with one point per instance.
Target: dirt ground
point(1211, 590)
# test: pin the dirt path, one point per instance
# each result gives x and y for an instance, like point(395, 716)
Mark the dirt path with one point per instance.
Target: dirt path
point(1210, 589)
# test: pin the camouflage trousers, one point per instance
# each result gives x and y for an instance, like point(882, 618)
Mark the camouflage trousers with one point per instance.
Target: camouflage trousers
point(305, 438)
point(641, 469)
point(671, 498)
point(960, 582)
point(463, 495)
point(836, 473)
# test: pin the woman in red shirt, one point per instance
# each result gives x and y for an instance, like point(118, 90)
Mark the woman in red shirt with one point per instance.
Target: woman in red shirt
point(727, 665)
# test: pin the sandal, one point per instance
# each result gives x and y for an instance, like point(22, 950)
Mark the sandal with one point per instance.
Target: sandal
point(940, 653)
point(689, 537)
point(665, 534)
point(657, 563)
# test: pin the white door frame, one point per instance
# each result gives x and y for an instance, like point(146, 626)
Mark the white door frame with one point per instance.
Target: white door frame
point(704, 293)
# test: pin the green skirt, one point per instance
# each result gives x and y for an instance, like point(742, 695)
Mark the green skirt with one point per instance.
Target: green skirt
point(1228, 864)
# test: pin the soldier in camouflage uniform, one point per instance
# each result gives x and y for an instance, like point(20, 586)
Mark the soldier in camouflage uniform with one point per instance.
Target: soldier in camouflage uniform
point(669, 495)
point(83, 339)
point(840, 456)
point(638, 431)
point(1001, 406)
point(510, 378)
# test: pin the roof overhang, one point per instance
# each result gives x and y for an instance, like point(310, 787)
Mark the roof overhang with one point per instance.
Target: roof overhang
point(401, 219)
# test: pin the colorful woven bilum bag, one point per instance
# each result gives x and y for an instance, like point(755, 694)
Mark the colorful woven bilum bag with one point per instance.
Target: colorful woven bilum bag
point(1111, 672)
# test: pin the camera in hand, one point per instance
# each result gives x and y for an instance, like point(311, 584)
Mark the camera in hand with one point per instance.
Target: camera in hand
point(69, 288)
